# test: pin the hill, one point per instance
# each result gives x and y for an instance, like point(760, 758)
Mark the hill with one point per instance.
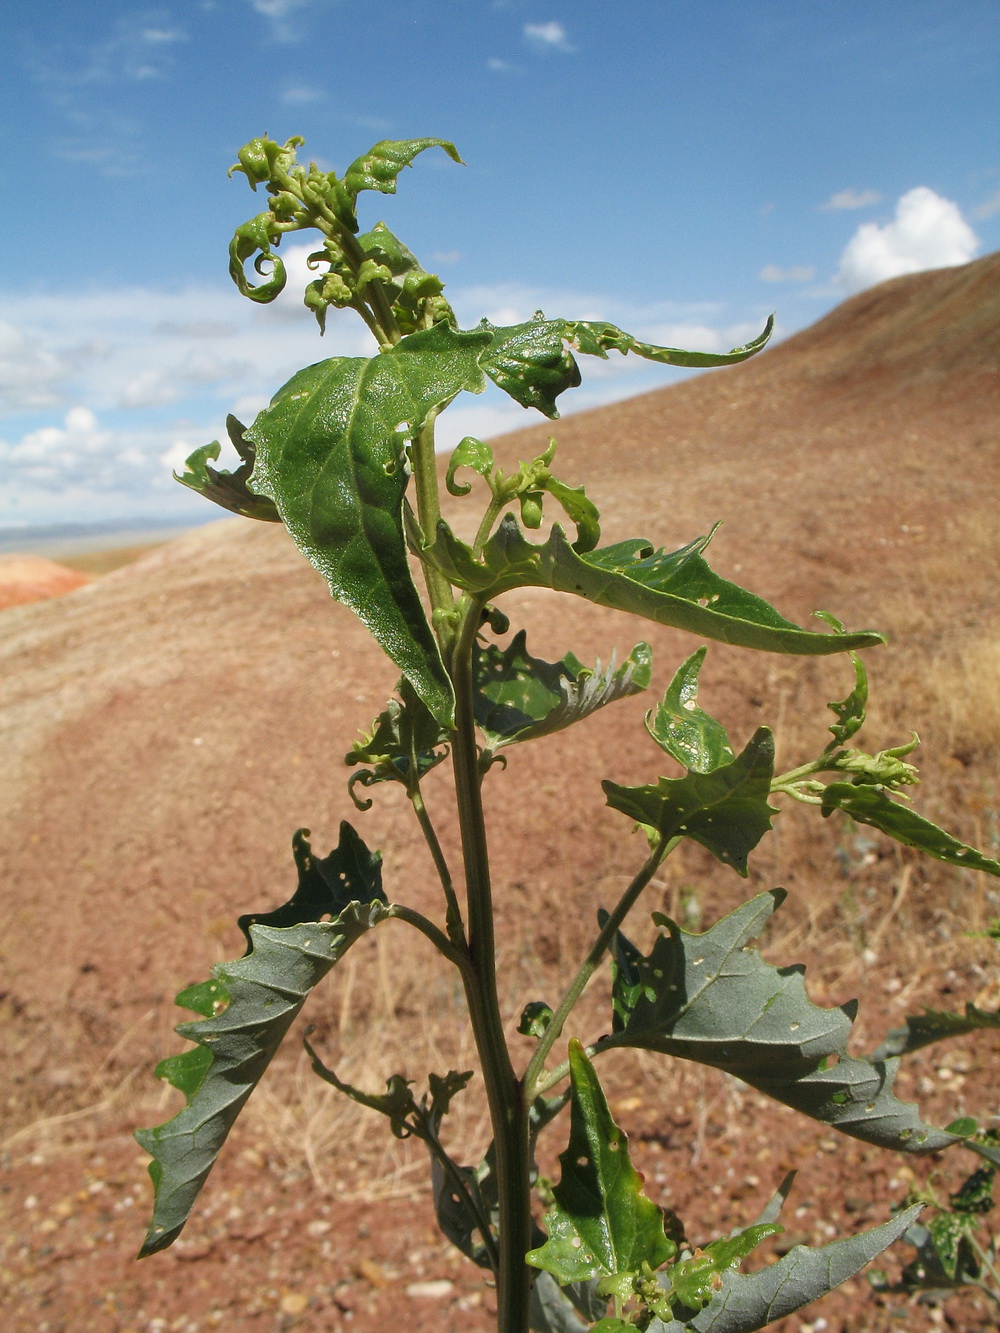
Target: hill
point(166, 728)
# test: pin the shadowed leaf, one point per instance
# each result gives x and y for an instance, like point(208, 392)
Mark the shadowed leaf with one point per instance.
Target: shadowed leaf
point(870, 805)
point(711, 998)
point(228, 489)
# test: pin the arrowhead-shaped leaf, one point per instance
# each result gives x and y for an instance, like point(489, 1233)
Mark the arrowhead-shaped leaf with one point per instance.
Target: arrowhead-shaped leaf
point(748, 1301)
point(330, 455)
point(725, 810)
point(519, 696)
point(711, 998)
point(869, 804)
point(685, 731)
point(676, 589)
point(246, 1009)
point(602, 1223)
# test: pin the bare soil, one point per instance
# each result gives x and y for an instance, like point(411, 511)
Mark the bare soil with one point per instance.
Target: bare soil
point(167, 727)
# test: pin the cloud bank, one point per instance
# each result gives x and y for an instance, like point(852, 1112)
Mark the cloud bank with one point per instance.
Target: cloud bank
point(927, 232)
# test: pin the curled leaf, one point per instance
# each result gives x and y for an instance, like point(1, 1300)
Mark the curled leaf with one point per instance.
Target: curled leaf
point(228, 489)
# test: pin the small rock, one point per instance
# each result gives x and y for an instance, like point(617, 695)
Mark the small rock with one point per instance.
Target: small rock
point(435, 1290)
point(374, 1274)
point(294, 1302)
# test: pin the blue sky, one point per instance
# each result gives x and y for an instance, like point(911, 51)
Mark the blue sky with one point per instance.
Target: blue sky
point(681, 170)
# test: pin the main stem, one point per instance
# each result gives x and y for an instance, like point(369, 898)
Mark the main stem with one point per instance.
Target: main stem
point(508, 1111)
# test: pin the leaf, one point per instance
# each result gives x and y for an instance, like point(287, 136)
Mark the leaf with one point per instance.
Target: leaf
point(471, 453)
point(228, 489)
point(934, 1025)
point(530, 362)
point(533, 361)
point(330, 455)
point(259, 997)
point(869, 805)
point(602, 1223)
point(677, 589)
point(403, 732)
point(518, 697)
point(350, 874)
point(380, 166)
point(596, 338)
point(554, 1309)
point(725, 810)
point(581, 511)
point(685, 731)
point(695, 1281)
point(850, 712)
point(711, 998)
point(748, 1301)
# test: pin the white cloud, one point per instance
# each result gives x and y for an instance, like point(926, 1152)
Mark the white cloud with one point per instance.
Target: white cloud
point(281, 13)
point(501, 66)
point(928, 232)
point(850, 199)
point(548, 37)
point(302, 95)
point(797, 273)
point(108, 390)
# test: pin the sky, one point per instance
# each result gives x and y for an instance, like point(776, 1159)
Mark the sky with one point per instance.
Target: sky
point(679, 170)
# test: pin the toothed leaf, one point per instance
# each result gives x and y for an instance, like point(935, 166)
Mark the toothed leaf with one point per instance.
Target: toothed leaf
point(725, 810)
point(602, 1223)
point(228, 489)
point(711, 998)
point(676, 589)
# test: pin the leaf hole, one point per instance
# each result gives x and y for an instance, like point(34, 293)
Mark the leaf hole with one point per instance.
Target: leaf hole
point(794, 1027)
point(869, 1107)
point(697, 962)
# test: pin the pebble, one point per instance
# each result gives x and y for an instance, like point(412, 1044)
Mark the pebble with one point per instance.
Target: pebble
point(434, 1291)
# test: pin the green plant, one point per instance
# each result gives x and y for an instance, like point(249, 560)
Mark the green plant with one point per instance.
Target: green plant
point(344, 457)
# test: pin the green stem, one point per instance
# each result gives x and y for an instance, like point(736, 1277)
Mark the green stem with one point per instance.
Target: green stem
point(429, 512)
point(436, 936)
point(508, 1108)
point(456, 930)
point(534, 1074)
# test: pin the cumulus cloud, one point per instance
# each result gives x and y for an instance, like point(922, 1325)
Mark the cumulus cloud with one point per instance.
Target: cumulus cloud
point(850, 199)
point(927, 232)
point(548, 37)
point(797, 273)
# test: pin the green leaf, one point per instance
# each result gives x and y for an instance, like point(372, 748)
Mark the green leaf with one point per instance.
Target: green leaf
point(711, 998)
point(596, 338)
point(725, 810)
point(695, 1281)
point(518, 697)
point(602, 1223)
point(581, 511)
point(380, 166)
point(677, 589)
point(934, 1025)
point(850, 712)
point(330, 455)
point(260, 996)
point(350, 874)
point(471, 453)
point(869, 805)
point(530, 362)
point(533, 362)
point(256, 238)
point(748, 1301)
point(228, 489)
point(685, 731)
point(405, 734)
